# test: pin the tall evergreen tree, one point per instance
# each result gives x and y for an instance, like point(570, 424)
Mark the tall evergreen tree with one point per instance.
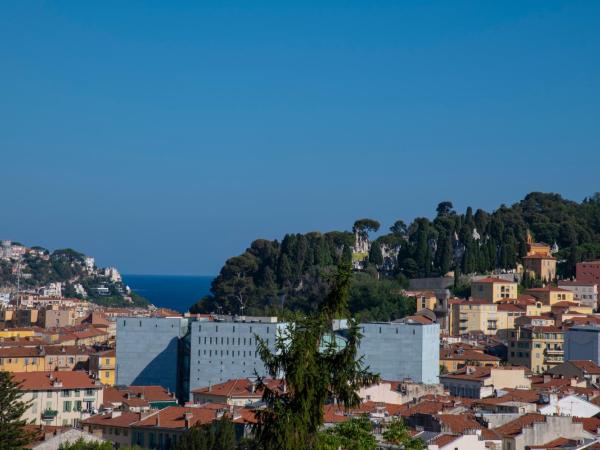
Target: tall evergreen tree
point(375, 254)
point(13, 434)
point(313, 368)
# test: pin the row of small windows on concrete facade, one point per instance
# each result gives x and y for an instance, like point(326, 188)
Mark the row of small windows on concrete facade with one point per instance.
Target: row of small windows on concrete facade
point(140, 324)
point(380, 328)
point(225, 341)
point(233, 328)
point(226, 353)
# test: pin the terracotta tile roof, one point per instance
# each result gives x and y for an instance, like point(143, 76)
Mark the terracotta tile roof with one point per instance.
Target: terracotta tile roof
point(539, 257)
point(459, 423)
point(124, 419)
point(55, 350)
point(575, 283)
point(174, 417)
point(493, 280)
point(590, 424)
point(111, 353)
point(239, 387)
point(510, 307)
point(586, 366)
point(547, 289)
point(455, 353)
point(513, 395)
point(132, 395)
point(443, 439)
point(45, 381)
point(418, 319)
point(558, 443)
point(514, 427)
point(19, 352)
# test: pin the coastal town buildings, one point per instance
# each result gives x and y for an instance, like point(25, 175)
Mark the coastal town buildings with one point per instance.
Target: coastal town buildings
point(61, 398)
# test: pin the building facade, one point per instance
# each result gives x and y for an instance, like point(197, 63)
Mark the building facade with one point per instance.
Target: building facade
point(588, 271)
point(493, 289)
point(585, 293)
point(399, 351)
point(583, 343)
point(59, 398)
point(227, 349)
point(148, 351)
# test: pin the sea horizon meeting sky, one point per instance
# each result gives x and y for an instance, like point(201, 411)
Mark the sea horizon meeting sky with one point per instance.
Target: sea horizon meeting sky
point(163, 137)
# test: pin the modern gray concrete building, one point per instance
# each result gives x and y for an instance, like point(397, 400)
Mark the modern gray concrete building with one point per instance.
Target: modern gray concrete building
point(227, 349)
point(148, 351)
point(401, 350)
point(583, 342)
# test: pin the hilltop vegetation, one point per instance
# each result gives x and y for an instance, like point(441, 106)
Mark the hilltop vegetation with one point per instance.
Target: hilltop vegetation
point(39, 268)
point(292, 274)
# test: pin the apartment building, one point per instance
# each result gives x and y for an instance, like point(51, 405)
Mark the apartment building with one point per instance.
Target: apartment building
point(584, 292)
point(493, 289)
point(542, 267)
point(59, 398)
point(103, 366)
point(588, 271)
point(550, 295)
point(537, 347)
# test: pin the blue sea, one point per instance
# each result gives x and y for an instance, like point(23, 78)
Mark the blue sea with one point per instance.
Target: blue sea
point(176, 292)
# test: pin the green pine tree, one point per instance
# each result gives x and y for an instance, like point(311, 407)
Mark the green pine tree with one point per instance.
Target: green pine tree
point(13, 434)
point(314, 368)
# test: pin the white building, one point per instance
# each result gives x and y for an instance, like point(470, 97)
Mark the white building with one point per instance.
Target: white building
point(112, 274)
point(90, 263)
point(571, 405)
point(52, 290)
point(586, 293)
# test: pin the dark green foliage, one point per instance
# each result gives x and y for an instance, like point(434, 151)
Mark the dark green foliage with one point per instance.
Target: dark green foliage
point(13, 434)
point(375, 255)
point(270, 274)
point(314, 369)
point(83, 445)
point(219, 435)
point(354, 434)
point(397, 433)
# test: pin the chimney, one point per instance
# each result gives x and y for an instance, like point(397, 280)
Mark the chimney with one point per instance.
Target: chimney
point(187, 417)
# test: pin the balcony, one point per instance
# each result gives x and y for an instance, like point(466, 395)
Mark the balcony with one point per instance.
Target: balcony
point(554, 351)
point(49, 414)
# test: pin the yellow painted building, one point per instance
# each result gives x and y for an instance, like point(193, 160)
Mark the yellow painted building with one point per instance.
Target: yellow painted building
point(537, 347)
point(103, 367)
point(17, 332)
point(21, 359)
point(485, 317)
point(493, 289)
point(423, 299)
point(550, 295)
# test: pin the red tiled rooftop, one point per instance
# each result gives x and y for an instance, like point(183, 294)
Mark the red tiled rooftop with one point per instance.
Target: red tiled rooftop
point(123, 419)
point(515, 427)
point(493, 280)
point(44, 381)
point(239, 387)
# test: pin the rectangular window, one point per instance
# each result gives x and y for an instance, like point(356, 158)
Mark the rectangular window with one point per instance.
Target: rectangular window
point(67, 406)
point(66, 393)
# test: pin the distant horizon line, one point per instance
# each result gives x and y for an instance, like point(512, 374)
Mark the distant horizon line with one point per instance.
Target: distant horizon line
point(166, 275)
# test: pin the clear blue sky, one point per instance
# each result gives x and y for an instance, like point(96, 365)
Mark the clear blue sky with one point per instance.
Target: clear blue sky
point(163, 137)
